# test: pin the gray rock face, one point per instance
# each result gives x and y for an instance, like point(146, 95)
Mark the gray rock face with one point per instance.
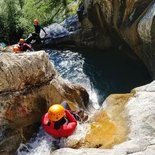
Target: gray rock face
point(125, 21)
point(29, 84)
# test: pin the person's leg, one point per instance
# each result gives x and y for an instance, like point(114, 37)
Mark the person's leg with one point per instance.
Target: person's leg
point(38, 39)
point(65, 105)
point(79, 114)
point(29, 39)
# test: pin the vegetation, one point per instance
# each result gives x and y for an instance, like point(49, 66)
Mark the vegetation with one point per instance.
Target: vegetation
point(16, 16)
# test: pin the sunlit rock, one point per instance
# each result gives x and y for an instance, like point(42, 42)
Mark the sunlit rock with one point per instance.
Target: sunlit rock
point(127, 126)
point(106, 128)
point(29, 84)
point(22, 70)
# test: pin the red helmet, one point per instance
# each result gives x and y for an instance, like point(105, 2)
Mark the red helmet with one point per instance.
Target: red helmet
point(35, 22)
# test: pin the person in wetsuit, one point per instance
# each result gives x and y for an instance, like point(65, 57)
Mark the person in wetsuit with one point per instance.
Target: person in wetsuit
point(36, 34)
point(24, 46)
point(59, 122)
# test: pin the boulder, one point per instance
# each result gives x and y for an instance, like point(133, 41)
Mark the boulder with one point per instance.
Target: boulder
point(68, 34)
point(29, 84)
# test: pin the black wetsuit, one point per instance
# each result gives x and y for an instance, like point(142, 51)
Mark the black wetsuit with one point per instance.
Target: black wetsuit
point(36, 34)
point(38, 28)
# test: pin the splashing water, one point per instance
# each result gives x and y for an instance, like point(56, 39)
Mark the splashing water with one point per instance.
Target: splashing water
point(41, 144)
point(70, 66)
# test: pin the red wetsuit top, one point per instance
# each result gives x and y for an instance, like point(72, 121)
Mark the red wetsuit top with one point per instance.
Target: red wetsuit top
point(65, 130)
point(24, 47)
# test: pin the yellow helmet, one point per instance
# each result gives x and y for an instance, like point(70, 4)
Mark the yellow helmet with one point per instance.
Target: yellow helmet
point(21, 40)
point(56, 112)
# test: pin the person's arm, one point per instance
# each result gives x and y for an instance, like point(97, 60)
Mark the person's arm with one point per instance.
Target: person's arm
point(69, 116)
point(43, 30)
point(69, 128)
point(20, 47)
point(28, 47)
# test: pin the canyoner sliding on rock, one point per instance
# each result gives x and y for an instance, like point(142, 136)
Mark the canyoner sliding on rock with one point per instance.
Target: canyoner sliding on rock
point(60, 121)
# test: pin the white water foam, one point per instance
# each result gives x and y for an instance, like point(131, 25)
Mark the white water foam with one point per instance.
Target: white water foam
point(41, 144)
point(70, 65)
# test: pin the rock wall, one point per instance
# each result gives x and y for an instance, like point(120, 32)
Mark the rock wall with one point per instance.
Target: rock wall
point(29, 84)
point(126, 21)
point(124, 125)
